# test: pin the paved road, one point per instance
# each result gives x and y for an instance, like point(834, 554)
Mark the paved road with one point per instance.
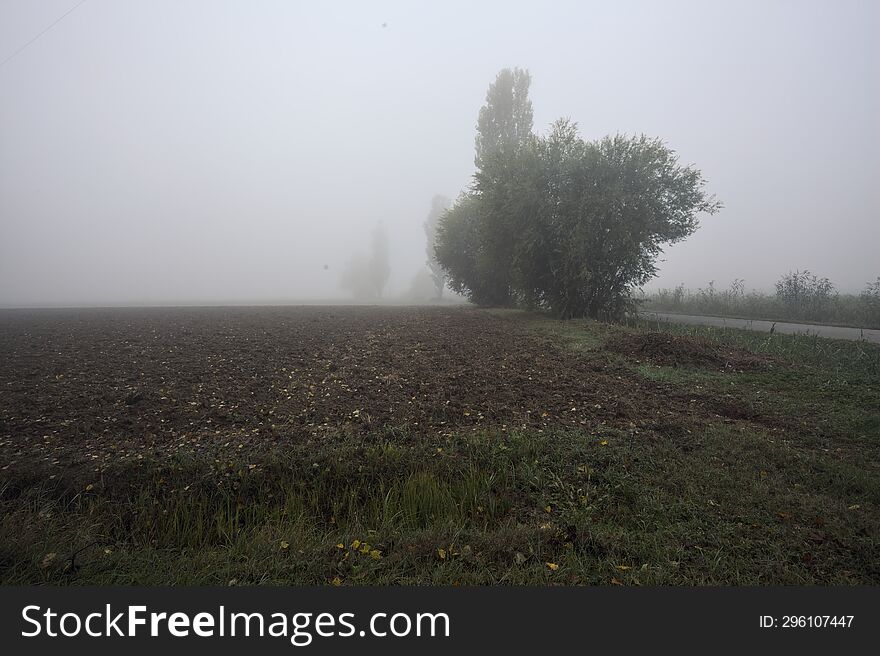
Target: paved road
point(834, 332)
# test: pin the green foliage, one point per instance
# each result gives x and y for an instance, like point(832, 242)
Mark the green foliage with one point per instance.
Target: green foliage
point(504, 123)
point(805, 295)
point(802, 297)
point(870, 303)
point(504, 137)
point(615, 203)
point(461, 251)
point(560, 223)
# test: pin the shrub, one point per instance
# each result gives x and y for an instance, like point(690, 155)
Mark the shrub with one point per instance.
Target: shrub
point(869, 300)
point(805, 295)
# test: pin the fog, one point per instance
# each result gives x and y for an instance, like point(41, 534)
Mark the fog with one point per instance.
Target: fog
point(204, 151)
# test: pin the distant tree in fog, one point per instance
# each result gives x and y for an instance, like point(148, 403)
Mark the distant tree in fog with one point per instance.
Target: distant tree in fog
point(356, 278)
point(365, 276)
point(421, 287)
point(439, 204)
point(380, 260)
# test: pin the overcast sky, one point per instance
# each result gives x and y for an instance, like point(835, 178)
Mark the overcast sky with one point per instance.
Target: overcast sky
point(178, 151)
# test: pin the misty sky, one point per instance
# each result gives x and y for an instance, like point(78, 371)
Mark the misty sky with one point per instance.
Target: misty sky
point(179, 151)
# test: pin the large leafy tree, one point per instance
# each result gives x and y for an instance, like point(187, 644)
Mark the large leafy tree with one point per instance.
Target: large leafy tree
point(504, 123)
point(560, 223)
point(614, 204)
point(504, 131)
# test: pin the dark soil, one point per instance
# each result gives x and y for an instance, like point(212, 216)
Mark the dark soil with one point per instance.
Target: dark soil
point(468, 447)
point(90, 387)
point(686, 351)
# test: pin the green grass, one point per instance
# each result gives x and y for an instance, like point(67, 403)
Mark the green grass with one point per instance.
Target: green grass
point(725, 503)
point(844, 359)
